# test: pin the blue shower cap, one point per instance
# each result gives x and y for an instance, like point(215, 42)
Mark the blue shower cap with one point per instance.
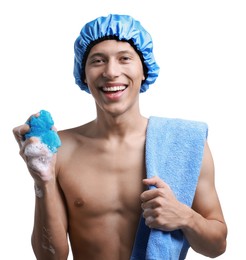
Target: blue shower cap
point(114, 26)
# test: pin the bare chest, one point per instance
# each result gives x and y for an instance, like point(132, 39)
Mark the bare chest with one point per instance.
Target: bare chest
point(100, 181)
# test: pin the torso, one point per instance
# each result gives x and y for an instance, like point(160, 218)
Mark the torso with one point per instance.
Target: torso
point(102, 182)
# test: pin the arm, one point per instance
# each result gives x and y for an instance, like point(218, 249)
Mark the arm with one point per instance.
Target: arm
point(49, 238)
point(203, 225)
point(206, 229)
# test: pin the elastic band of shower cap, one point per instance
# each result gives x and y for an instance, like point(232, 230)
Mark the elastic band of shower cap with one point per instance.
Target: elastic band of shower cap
point(123, 28)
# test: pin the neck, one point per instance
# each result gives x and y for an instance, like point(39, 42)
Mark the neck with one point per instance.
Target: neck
point(120, 126)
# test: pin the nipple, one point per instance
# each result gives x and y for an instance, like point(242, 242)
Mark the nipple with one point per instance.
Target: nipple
point(78, 203)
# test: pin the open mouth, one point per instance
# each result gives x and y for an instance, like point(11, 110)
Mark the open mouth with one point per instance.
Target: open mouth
point(113, 89)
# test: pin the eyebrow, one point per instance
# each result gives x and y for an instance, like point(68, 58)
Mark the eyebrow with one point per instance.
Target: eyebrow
point(95, 54)
point(117, 53)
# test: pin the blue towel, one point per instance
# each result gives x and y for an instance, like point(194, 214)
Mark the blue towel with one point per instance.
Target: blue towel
point(174, 151)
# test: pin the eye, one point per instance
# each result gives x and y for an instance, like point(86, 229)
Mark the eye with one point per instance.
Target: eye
point(125, 59)
point(97, 60)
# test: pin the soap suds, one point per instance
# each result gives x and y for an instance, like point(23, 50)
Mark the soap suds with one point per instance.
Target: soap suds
point(38, 191)
point(47, 239)
point(39, 158)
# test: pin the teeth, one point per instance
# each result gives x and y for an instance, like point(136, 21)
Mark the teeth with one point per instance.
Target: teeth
point(117, 88)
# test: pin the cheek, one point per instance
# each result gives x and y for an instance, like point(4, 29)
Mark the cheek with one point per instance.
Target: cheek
point(92, 76)
point(138, 78)
point(137, 75)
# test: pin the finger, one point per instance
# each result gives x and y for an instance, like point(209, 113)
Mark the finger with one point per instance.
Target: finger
point(35, 148)
point(155, 181)
point(147, 213)
point(149, 221)
point(54, 128)
point(19, 133)
point(150, 197)
point(146, 196)
point(33, 115)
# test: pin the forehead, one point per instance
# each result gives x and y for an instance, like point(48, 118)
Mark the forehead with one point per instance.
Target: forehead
point(111, 46)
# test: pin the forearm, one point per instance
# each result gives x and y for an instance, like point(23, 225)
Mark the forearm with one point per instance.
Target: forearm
point(49, 238)
point(207, 237)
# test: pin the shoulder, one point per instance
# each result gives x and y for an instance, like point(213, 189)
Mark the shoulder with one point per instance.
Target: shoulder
point(179, 126)
point(72, 140)
point(177, 122)
point(75, 133)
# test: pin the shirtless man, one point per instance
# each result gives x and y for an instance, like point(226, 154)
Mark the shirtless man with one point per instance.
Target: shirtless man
point(95, 187)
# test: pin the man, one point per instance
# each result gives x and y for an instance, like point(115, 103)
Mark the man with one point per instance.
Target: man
point(106, 188)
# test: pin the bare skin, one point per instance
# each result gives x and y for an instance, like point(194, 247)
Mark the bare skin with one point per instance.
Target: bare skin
point(97, 189)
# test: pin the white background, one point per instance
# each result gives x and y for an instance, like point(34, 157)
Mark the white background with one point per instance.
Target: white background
point(200, 47)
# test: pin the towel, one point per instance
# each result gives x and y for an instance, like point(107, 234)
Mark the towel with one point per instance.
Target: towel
point(174, 152)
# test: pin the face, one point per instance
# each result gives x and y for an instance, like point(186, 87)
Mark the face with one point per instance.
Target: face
point(114, 73)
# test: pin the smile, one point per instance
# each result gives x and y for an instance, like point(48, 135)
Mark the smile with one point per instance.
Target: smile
point(114, 88)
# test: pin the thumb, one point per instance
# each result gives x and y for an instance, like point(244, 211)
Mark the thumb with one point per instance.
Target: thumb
point(155, 181)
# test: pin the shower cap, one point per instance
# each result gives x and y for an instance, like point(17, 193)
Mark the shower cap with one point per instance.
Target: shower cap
point(123, 28)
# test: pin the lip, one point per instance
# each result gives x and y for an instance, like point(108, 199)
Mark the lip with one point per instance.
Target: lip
point(113, 88)
point(113, 84)
point(115, 91)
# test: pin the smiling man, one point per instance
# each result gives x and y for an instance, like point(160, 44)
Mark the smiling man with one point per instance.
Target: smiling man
point(114, 73)
point(123, 186)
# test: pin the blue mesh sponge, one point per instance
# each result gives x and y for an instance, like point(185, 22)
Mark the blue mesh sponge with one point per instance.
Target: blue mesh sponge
point(41, 127)
point(123, 27)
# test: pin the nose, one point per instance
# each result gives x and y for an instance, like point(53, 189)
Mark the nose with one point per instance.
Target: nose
point(111, 69)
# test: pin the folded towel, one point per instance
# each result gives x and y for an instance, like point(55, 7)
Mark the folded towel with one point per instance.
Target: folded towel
point(174, 151)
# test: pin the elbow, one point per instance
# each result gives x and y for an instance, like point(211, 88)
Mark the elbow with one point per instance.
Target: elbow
point(213, 251)
point(222, 243)
point(220, 249)
point(214, 248)
point(219, 242)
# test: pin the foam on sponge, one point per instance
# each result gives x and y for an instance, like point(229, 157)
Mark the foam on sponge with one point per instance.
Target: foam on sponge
point(41, 127)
